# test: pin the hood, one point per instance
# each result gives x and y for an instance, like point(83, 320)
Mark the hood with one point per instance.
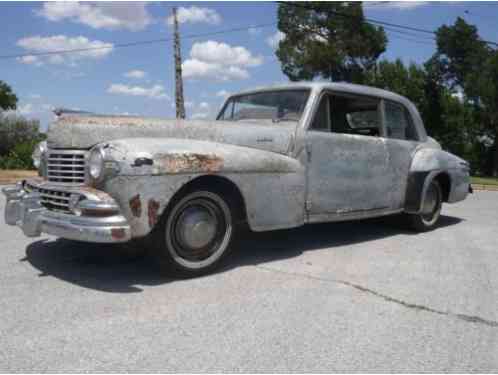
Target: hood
point(83, 132)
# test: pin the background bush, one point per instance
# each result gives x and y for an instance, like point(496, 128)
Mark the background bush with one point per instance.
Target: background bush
point(18, 138)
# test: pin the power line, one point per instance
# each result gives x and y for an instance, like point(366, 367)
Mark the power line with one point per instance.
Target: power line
point(410, 34)
point(427, 43)
point(374, 21)
point(137, 43)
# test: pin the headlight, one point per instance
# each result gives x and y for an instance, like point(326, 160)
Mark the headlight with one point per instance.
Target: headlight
point(96, 163)
point(38, 153)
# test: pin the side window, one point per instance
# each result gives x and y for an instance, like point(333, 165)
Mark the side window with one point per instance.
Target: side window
point(348, 114)
point(398, 122)
point(321, 122)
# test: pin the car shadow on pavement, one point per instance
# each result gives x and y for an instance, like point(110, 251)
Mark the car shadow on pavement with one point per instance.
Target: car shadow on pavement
point(107, 268)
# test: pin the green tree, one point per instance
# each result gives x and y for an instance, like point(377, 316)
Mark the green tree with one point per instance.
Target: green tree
point(327, 39)
point(446, 118)
point(483, 87)
point(460, 53)
point(8, 100)
point(395, 76)
point(469, 64)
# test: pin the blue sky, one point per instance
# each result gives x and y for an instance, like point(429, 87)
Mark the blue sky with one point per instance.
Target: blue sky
point(140, 80)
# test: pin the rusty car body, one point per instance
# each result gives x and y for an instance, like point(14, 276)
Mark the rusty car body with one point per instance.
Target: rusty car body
point(331, 152)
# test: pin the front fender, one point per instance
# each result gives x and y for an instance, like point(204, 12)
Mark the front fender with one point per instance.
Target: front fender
point(151, 171)
point(430, 163)
point(149, 156)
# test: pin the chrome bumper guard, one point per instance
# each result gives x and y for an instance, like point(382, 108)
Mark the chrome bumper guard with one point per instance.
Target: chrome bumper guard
point(25, 210)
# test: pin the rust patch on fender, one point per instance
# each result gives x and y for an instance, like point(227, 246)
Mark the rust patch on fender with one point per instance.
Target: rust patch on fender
point(136, 206)
point(153, 209)
point(118, 233)
point(188, 162)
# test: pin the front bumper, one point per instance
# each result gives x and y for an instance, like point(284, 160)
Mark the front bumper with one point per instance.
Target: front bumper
point(25, 210)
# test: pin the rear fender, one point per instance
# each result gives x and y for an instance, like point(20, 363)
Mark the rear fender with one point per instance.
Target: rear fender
point(428, 164)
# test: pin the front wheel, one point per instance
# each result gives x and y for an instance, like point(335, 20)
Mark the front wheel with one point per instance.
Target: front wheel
point(431, 209)
point(195, 235)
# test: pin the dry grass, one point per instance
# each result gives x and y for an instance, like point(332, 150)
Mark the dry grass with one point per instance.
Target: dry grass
point(11, 176)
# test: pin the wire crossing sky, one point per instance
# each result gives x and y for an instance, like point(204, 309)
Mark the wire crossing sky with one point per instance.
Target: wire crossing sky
point(117, 58)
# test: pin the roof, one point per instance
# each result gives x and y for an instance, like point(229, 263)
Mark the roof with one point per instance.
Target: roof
point(334, 86)
point(350, 88)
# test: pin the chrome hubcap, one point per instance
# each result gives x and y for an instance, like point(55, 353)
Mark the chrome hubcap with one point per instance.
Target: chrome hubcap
point(198, 230)
point(196, 227)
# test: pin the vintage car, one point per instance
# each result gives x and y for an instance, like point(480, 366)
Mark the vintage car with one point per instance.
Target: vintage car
point(274, 158)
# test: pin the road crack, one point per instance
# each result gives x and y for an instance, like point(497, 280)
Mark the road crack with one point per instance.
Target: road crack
point(385, 297)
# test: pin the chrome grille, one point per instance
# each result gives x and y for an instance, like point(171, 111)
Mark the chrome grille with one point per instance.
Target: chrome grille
point(54, 200)
point(66, 166)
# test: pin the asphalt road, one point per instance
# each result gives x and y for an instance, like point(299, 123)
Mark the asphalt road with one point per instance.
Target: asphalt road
point(358, 296)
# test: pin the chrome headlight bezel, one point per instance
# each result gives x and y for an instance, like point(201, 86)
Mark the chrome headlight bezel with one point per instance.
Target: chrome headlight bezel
point(38, 154)
point(96, 161)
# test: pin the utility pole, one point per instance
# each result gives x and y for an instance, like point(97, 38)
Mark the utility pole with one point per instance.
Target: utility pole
point(180, 107)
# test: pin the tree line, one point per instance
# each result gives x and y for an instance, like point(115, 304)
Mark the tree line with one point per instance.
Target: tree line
point(18, 135)
point(455, 90)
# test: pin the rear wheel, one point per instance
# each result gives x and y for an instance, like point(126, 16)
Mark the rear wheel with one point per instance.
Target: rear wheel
point(196, 234)
point(431, 209)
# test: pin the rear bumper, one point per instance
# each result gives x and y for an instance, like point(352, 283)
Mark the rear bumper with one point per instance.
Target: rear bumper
point(25, 210)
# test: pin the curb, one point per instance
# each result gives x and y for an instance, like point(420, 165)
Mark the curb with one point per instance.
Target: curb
point(485, 187)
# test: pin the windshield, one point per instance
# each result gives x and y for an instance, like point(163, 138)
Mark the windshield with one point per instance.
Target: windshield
point(281, 105)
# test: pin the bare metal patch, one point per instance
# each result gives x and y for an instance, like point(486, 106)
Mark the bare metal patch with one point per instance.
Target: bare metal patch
point(136, 206)
point(153, 209)
point(188, 162)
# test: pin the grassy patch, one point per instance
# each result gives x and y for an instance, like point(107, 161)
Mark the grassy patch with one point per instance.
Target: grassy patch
point(484, 180)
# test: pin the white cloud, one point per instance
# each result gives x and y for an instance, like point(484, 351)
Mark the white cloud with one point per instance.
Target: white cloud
point(223, 93)
point(204, 106)
point(201, 69)
point(155, 92)
point(25, 109)
point(90, 49)
point(195, 15)
point(222, 53)
point(219, 61)
point(30, 59)
point(135, 74)
point(274, 39)
point(110, 15)
point(48, 107)
point(254, 31)
point(398, 5)
point(32, 111)
point(56, 59)
point(35, 96)
point(200, 116)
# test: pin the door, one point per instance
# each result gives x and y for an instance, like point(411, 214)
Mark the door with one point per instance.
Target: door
point(401, 140)
point(348, 162)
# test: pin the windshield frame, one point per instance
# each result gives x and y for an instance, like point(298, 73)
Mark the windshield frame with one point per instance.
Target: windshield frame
point(308, 90)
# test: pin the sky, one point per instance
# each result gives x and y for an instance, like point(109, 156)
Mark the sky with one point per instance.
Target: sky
point(139, 80)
